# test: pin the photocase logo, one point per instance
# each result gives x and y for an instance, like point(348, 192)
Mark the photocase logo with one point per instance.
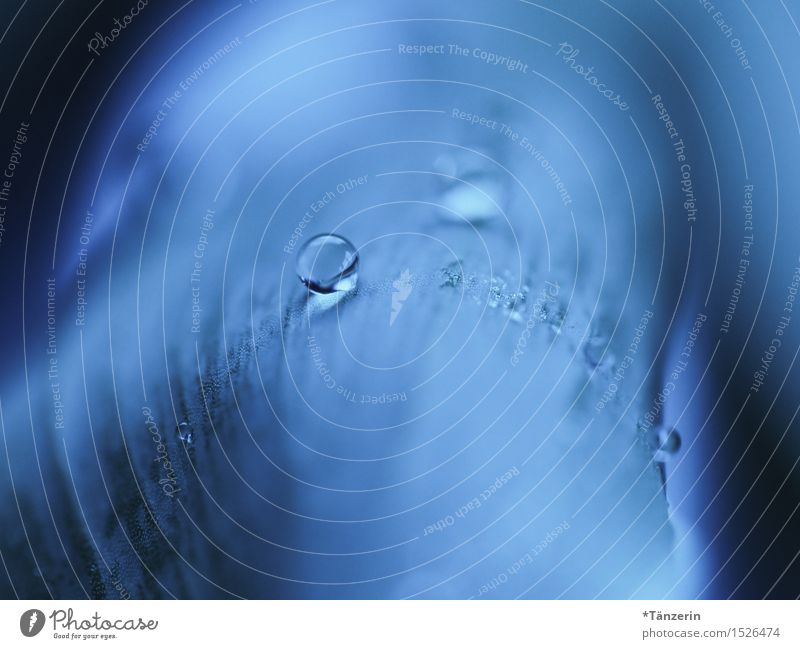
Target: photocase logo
point(402, 289)
point(31, 622)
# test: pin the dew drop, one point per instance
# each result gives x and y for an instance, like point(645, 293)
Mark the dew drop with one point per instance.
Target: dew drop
point(669, 440)
point(470, 189)
point(556, 323)
point(185, 433)
point(328, 263)
point(502, 294)
point(453, 276)
point(474, 201)
point(496, 288)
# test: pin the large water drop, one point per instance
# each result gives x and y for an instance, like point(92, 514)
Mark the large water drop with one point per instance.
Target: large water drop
point(328, 263)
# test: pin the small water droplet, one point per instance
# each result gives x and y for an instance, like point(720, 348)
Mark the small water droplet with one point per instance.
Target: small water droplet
point(328, 263)
point(452, 275)
point(185, 433)
point(552, 315)
point(471, 188)
point(597, 353)
point(501, 294)
point(669, 440)
point(474, 200)
point(556, 320)
point(496, 288)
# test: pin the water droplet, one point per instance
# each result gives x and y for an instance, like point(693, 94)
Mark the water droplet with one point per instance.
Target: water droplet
point(597, 353)
point(185, 433)
point(501, 294)
point(669, 440)
point(558, 321)
point(452, 275)
point(328, 263)
point(471, 187)
point(551, 314)
point(496, 288)
point(474, 200)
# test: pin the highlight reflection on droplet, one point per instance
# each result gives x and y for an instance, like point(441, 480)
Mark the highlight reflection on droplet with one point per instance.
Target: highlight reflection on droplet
point(185, 433)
